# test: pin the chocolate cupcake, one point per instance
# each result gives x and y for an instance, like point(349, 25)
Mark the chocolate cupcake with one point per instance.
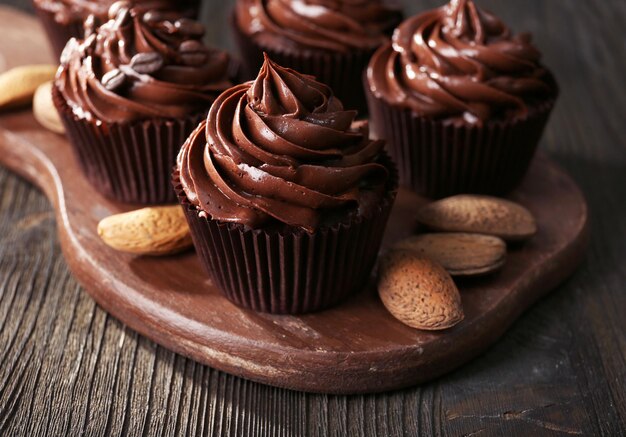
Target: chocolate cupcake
point(286, 196)
point(461, 101)
point(331, 40)
point(65, 19)
point(131, 93)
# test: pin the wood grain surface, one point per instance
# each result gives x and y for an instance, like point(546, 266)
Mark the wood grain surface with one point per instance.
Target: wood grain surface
point(66, 368)
point(355, 347)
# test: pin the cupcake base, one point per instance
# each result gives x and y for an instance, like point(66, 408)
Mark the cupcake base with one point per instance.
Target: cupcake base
point(127, 162)
point(340, 71)
point(290, 271)
point(440, 158)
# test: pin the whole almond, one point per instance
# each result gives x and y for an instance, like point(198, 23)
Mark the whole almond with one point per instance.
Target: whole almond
point(159, 230)
point(418, 292)
point(18, 85)
point(481, 215)
point(44, 110)
point(459, 253)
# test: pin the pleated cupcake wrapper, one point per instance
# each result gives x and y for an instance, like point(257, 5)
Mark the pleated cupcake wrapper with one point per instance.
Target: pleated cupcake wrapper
point(439, 159)
point(290, 272)
point(127, 162)
point(340, 71)
point(58, 34)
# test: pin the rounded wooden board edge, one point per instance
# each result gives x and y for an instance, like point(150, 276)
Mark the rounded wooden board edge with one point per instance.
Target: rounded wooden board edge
point(34, 165)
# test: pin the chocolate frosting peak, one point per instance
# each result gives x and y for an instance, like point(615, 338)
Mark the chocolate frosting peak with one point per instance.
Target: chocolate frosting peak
point(465, 21)
point(460, 61)
point(280, 149)
point(139, 65)
point(336, 25)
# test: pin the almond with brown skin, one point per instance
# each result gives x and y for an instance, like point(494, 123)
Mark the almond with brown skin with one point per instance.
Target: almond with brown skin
point(481, 215)
point(418, 292)
point(44, 110)
point(159, 230)
point(460, 254)
point(18, 85)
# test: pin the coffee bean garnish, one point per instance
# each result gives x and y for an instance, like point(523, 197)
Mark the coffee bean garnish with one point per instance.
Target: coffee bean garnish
point(192, 52)
point(189, 27)
point(113, 79)
point(146, 63)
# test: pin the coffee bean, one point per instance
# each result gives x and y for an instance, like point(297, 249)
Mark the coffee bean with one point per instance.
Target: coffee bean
point(189, 27)
point(113, 79)
point(146, 63)
point(193, 53)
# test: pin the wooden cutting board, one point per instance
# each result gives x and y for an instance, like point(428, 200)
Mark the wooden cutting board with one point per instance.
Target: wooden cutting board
point(356, 347)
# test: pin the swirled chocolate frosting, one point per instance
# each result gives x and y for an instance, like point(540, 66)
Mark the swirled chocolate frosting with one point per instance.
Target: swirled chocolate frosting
point(334, 25)
point(67, 11)
point(142, 65)
point(281, 149)
point(460, 61)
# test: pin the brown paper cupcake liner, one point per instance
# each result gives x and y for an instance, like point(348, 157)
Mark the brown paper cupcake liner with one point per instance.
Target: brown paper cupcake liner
point(340, 71)
point(439, 159)
point(288, 272)
point(127, 162)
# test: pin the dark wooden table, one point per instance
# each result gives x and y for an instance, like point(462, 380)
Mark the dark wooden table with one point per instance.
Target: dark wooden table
point(67, 368)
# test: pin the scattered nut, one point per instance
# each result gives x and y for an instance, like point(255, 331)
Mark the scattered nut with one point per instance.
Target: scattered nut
point(418, 292)
point(160, 230)
point(18, 85)
point(459, 253)
point(480, 215)
point(44, 110)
